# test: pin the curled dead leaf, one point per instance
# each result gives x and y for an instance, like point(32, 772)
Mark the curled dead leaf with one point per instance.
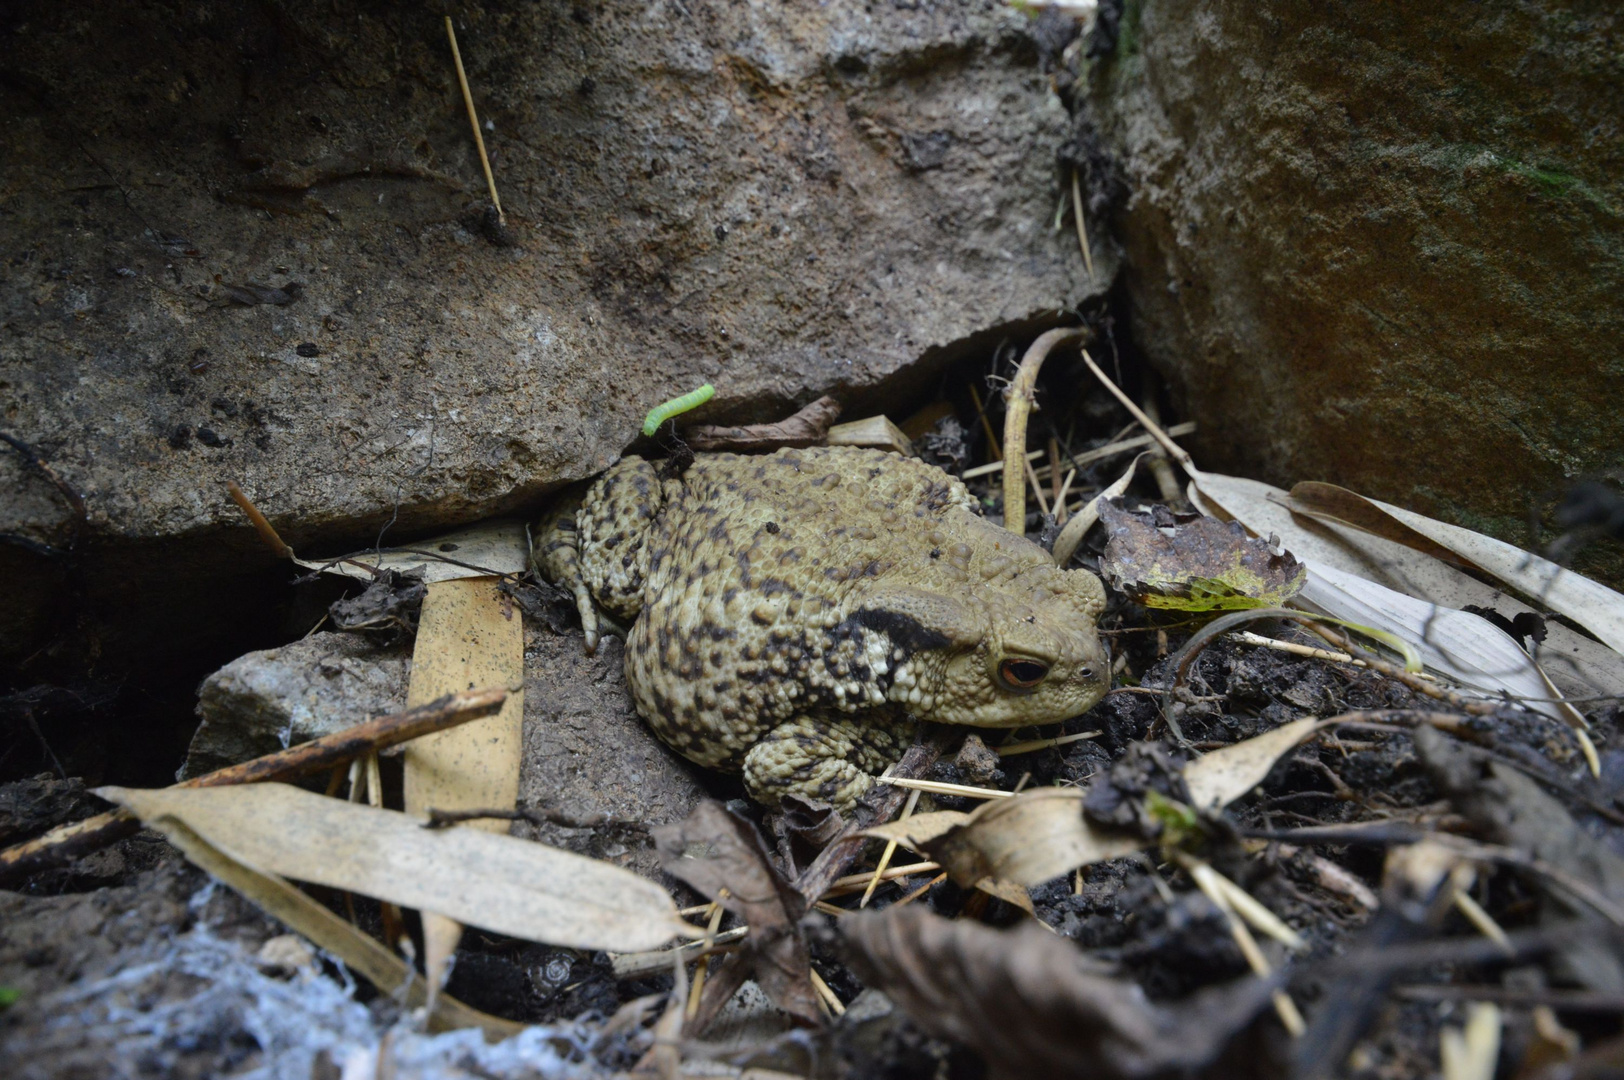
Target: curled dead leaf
point(723, 856)
point(1589, 603)
point(809, 427)
point(1032, 1006)
point(1035, 836)
point(1194, 564)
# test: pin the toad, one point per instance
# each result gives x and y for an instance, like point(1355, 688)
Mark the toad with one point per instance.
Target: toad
point(794, 616)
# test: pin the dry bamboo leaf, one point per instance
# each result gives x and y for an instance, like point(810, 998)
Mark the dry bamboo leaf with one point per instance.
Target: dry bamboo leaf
point(920, 829)
point(1472, 1052)
point(1468, 650)
point(491, 547)
point(501, 883)
point(1588, 603)
point(1009, 892)
point(468, 634)
point(1033, 1006)
point(714, 850)
point(300, 913)
point(875, 431)
point(1219, 778)
point(1577, 665)
point(1029, 839)
point(1199, 564)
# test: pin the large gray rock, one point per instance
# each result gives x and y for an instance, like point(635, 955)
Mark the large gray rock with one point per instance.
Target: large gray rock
point(783, 200)
point(1380, 244)
point(268, 700)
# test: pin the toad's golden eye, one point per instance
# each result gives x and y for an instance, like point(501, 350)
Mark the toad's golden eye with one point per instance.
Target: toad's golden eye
point(1022, 674)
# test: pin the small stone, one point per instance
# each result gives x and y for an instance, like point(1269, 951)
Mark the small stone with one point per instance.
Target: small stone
point(288, 953)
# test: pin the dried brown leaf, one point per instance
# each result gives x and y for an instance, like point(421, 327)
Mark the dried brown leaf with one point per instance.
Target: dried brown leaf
point(1033, 1006)
point(468, 634)
point(1071, 536)
point(491, 547)
point(875, 431)
point(809, 427)
point(1028, 839)
point(1201, 564)
point(713, 850)
point(1043, 833)
point(1219, 778)
point(920, 829)
point(1468, 650)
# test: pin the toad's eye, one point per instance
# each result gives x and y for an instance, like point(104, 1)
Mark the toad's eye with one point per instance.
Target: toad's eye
point(1022, 674)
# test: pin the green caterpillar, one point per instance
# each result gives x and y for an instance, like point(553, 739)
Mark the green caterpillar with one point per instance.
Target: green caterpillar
point(676, 407)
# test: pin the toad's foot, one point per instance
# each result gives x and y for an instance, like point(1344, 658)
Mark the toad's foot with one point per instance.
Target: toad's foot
point(832, 759)
point(557, 557)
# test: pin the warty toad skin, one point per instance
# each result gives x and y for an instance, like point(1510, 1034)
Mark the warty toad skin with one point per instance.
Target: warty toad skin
point(795, 615)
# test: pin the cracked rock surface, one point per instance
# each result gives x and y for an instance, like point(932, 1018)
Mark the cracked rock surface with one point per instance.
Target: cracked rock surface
point(258, 254)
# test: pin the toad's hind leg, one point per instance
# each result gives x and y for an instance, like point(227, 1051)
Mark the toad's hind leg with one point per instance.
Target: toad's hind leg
point(557, 555)
point(831, 758)
point(596, 547)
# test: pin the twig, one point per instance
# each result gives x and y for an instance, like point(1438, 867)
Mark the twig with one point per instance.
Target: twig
point(1566, 1000)
point(267, 531)
point(68, 842)
point(1018, 407)
point(709, 942)
point(1056, 494)
point(1383, 833)
point(1174, 450)
point(1482, 920)
point(939, 787)
point(473, 119)
point(1160, 468)
point(853, 882)
point(1223, 899)
point(922, 890)
point(635, 964)
point(1087, 457)
point(1011, 749)
point(986, 425)
point(1082, 230)
point(440, 819)
point(890, 850)
point(1037, 488)
point(836, 1006)
point(1415, 681)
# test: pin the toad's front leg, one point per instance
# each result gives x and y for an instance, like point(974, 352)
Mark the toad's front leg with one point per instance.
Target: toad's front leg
point(832, 758)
